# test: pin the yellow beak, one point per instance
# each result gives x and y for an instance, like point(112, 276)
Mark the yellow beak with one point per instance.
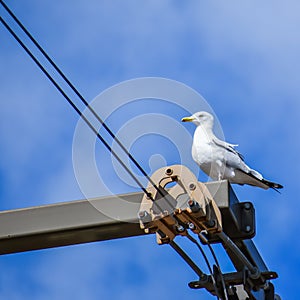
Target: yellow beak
point(187, 119)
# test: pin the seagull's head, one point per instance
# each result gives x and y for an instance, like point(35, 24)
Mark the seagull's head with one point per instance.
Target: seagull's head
point(200, 118)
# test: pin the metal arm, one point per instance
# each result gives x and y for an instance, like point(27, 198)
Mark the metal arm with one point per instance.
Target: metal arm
point(86, 221)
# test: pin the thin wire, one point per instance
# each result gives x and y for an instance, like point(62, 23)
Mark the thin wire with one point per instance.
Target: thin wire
point(207, 263)
point(148, 194)
point(73, 106)
point(178, 249)
point(80, 96)
point(173, 244)
point(219, 267)
point(205, 240)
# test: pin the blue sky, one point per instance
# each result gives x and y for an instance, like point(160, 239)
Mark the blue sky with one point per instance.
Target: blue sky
point(241, 57)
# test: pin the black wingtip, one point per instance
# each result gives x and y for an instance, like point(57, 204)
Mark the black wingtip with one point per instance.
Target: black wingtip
point(267, 184)
point(273, 185)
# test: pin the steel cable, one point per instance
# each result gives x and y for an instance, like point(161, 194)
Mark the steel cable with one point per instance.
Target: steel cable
point(37, 62)
point(207, 263)
point(74, 106)
point(75, 90)
point(204, 240)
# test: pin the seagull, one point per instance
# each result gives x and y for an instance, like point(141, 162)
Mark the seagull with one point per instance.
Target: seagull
point(219, 159)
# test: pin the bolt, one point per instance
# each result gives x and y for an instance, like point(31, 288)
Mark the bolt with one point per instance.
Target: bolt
point(192, 226)
point(169, 171)
point(248, 228)
point(192, 186)
point(231, 290)
point(191, 202)
point(255, 273)
point(179, 228)
point(195, 207)
point(247, 206)
point(165, 213)
point(211, 223)
point(142, 214)
point(149, 195)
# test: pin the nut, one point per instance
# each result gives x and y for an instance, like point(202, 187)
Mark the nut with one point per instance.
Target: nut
point(169, 172)
point(192, 186)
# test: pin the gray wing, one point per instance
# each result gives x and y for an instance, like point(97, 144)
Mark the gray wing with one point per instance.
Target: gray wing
point(228, 147)
point(244, 174)
point(233, 159)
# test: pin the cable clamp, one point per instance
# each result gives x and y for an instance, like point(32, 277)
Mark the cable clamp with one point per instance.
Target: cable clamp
point(176, 203)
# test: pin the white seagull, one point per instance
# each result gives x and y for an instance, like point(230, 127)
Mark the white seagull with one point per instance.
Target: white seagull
point(219, 159)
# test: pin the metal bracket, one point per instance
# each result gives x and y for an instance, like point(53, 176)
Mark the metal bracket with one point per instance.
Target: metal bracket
point(242, 278)
point(242, 222)
point(186, 205)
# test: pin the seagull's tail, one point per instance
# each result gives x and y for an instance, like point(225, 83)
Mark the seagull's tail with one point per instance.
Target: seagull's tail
point(254, 178)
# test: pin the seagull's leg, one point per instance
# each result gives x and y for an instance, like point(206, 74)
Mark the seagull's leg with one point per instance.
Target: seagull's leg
point(219, 176)
point(219, 166)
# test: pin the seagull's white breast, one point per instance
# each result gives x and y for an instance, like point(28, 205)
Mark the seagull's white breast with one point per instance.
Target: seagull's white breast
point(203, 149)
point(210, 158)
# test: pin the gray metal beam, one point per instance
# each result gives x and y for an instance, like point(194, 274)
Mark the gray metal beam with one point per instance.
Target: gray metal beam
point(69, 223)
point(83, 221)
point(78, 222)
